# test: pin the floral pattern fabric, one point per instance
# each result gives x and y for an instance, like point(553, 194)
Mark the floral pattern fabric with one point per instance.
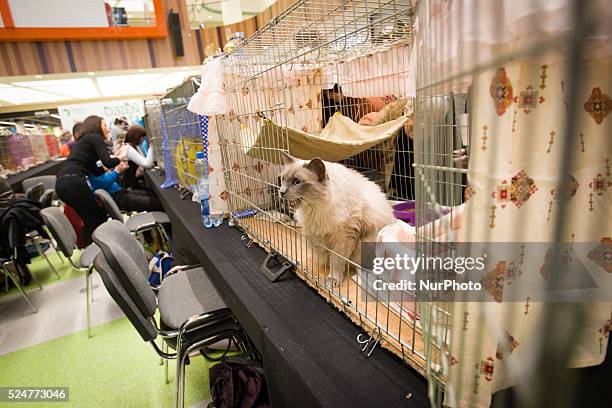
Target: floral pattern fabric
point(515, 195)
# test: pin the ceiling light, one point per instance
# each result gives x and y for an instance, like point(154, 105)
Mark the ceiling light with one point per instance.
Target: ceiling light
point(116, 85)
point(8, 123)
point(19, 96)
point(28, 125)
point(56, 116)
point(81, 88)
point(210, 17)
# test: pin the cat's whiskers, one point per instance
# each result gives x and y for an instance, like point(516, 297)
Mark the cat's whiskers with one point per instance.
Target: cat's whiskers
point(310, 202)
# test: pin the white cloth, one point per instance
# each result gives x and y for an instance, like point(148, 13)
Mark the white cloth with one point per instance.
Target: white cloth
point(218, 194)
point(210, 98)
point(455, 38)
point(137, 156)
point(388, 72)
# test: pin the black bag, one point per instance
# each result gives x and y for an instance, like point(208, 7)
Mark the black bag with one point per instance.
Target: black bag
point(238, 383)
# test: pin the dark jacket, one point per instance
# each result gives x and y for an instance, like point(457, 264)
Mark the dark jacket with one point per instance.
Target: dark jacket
point(86, 152)
point(25, 216)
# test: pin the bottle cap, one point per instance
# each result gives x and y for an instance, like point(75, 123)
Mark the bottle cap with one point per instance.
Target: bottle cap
point(199, 155)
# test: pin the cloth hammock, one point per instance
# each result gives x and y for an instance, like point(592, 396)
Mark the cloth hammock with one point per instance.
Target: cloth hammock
point(340, 139)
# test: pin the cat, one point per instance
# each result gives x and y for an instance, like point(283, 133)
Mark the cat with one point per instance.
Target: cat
point(336, 206)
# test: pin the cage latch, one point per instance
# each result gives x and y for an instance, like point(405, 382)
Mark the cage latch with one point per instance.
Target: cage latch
point(369, 343)
point(276, 261)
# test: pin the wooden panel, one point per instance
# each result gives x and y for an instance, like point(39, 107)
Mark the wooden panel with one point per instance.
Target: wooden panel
point(274, 10)
point(28, 58)
point(9, 33)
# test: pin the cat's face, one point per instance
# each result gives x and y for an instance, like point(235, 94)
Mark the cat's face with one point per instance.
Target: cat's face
point(303, 182)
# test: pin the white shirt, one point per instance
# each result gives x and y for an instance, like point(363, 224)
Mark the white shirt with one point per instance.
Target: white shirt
point(136, 156)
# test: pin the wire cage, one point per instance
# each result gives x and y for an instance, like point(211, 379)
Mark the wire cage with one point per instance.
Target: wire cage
point(181, 135)
point(318, 64)
point(6, 158)
point(40, 149)
point(53, 147)
point(508, 145)
point(153, 127)
point(21, 151)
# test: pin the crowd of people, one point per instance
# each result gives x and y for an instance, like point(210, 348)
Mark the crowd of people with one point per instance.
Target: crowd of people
point(108, 159)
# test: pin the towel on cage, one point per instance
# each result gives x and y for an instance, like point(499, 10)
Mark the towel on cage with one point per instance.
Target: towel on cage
point(210, 98)
point(340, 139)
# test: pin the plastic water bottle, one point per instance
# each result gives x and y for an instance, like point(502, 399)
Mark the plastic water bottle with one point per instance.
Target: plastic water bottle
point(202, 187)
point(208, 220)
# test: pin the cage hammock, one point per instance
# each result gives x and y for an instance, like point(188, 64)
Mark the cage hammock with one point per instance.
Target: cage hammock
point(340, 139)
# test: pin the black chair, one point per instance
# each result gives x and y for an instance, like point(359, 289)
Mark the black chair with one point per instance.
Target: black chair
point(48, 182)
point(10, 265)
point(59, 227)
point(35, 192)
point(34, 238)
point(192, 315)
point(137, 223)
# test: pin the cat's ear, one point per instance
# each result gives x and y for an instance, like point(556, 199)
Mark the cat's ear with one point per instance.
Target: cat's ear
point(287, 158)
point(317, 166)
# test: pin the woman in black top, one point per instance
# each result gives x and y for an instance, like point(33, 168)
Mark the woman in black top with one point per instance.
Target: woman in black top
point(71, 185)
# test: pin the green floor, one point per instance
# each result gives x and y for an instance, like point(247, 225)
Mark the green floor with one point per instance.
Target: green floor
point(114, 368)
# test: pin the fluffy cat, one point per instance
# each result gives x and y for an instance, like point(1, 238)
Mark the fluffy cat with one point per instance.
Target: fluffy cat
point(336, 206)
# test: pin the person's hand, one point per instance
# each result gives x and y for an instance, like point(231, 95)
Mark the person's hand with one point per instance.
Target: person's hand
point(121, 167)
point(122, 153)
point(461, 157)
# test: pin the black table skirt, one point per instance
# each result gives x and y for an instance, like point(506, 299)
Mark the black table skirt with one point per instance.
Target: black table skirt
point(50, 168)
point(310, 351)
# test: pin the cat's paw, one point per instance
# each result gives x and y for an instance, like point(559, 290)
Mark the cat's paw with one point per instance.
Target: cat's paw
point(332, 281)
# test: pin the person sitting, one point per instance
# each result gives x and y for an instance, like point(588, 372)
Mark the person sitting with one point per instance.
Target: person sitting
point(127, 199)
point(132, 178)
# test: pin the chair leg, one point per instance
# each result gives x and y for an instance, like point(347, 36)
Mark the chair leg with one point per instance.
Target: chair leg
point(163, 347)
point(167, 363)
point(19, 288)
point(90, 271)
point(164, 361)
point(88, 306)
point(34, 278)
point(54, 244)
point(57, 251)
point(44, 255)
point(180, 377)
point(59, 255)
point(165, 238)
